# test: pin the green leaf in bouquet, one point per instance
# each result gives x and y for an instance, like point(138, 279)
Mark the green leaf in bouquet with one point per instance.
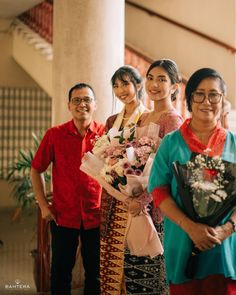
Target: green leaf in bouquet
point(132, 134)
point(203, 205)
point(122, 180)
point(121, 138)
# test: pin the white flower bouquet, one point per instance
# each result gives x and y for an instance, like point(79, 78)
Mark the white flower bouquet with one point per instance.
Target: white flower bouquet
point(207, 188)
point(121, 163)
point(208, 184)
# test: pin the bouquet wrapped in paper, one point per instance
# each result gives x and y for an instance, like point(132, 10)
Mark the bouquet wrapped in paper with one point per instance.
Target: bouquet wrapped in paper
point(121, 163)
point(207, 188)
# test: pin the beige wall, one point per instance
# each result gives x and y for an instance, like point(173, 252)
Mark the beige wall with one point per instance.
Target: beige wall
point(207, 16)
point(11, 74)
point(158, 38)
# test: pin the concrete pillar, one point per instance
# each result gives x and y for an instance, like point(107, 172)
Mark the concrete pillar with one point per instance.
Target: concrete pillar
point(88, 45)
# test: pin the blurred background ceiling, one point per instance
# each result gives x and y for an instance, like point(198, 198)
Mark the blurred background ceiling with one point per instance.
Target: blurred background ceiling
point(12, 8)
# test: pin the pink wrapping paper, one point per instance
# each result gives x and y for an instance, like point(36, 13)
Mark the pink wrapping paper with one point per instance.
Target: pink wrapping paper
point(141, 236)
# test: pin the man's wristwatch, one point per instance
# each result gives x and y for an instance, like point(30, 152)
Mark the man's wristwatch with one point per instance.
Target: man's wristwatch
point(233, 224)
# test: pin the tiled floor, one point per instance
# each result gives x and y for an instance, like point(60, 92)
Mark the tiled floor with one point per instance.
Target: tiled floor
point(19, 238)
point(16, 263)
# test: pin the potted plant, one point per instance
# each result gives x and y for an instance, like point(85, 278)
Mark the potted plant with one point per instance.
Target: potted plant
point(18, 174)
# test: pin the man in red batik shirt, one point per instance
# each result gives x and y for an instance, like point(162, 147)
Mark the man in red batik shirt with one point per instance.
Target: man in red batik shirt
point(75, 209)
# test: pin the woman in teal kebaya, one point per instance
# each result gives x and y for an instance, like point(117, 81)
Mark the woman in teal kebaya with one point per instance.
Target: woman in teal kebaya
point(216, 271)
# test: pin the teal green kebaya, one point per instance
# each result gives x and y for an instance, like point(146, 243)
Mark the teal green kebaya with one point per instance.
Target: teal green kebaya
point(177, 244)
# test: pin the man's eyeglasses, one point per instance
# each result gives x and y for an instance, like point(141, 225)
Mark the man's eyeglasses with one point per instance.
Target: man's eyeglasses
point(213, 97)
point(78, 100)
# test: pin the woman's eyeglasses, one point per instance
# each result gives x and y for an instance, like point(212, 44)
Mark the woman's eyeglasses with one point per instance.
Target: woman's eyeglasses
point(79, 100)
point(213, 97)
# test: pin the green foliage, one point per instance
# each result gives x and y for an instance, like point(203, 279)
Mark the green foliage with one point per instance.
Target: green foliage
point(130, 138)
point(18, 174)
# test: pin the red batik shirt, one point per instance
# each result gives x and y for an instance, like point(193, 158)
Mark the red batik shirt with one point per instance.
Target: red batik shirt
point(76, 196)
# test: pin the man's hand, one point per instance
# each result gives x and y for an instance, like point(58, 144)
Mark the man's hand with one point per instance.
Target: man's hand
point(47, 214)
